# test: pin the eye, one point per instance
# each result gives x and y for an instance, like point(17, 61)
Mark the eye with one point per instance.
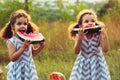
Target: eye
point(86, 21)
point(25, 24)
point(93, 20)
point(19, 23)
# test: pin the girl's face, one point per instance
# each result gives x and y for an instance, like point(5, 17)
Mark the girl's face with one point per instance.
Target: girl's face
point(88, 20)
point(20, 24)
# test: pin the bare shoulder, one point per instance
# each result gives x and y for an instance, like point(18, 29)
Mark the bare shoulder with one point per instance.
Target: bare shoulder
point(10, 46)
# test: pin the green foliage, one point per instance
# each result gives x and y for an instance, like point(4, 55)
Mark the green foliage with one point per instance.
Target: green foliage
point(38, 12)
point(8, 7)
point(58, 54)
point(52, 14)
point(110, 7)
point(77, 8)
point(112, 20)
point(113, 58)
point(46, 15)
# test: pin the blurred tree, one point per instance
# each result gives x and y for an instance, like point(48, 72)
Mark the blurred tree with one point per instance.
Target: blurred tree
point(39, 11)
point(77, 1)
point(26, 5)
point(110, 6)
point(77, 8)
point(59, 3)
point(9, 6)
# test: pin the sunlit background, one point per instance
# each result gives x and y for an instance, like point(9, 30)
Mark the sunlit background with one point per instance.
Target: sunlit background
point(53, 18)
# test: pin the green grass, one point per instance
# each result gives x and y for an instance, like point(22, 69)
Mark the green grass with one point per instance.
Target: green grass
point(58, 54)
point(113, 60)
point(48, 64)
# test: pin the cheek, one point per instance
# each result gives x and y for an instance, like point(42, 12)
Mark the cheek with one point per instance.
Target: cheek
point(26, 26)
point(84, 24)
point(15, 28)
point(94, 23)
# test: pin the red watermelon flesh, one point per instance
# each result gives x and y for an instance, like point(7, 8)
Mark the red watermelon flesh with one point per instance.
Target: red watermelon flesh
point(57, 76)
point(90, 27)
point(86, 27)
point(33, 37)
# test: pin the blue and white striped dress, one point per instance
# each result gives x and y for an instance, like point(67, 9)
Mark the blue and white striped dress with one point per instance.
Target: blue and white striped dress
point(90, 63)
point(23, 68)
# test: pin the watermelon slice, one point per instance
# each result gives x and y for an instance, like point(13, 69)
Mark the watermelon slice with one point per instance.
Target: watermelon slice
point(34, 38)
point(87, 29)
point(56, 76)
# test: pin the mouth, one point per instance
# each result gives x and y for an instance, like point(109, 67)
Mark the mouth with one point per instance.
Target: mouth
point(22, 31)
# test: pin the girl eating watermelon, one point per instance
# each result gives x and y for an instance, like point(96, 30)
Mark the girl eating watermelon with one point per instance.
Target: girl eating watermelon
point(90, 63)
point(21, 52)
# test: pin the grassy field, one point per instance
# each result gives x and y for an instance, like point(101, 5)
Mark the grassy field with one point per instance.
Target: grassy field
point(47, 64)
point(58, 53)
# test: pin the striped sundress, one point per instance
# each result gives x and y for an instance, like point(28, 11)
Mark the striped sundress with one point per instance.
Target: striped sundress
point(23, 68)
point(90, 63)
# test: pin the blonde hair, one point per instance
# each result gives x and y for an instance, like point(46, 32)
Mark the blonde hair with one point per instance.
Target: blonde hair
point(70, 28)
point(7, 31)
point(84, 12)
point(79, 21)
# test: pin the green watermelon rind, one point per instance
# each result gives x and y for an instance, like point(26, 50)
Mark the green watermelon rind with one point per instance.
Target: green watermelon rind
point(88, 30)
point(32, 42)
point(92, 30)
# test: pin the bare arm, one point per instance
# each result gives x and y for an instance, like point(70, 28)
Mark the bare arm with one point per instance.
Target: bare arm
point(104, 40)
point(35, 51)
point(15, 54)
point(78, 41)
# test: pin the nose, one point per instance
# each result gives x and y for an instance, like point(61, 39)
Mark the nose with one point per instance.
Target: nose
point(23, 25)
point(90, 23)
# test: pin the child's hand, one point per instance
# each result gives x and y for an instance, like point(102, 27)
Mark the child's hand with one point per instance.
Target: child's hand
point(104, 39)
point(103, 33)
point(103, 29)
point(25, 44)
point(81, 33)
point(42, 44)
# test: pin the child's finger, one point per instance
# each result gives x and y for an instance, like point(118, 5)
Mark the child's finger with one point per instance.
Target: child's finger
point(28, 41)
point(81, 30)
point(102, 29)
point(86, 32)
